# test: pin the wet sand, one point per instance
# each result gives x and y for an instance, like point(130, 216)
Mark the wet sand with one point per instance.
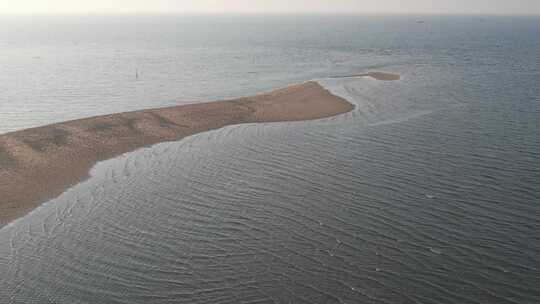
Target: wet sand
point(383, 76)
point(39, 164)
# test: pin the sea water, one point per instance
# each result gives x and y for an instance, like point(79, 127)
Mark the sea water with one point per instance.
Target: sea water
point(428, 192)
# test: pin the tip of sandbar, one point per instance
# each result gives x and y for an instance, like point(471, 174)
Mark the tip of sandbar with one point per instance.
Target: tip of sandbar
point(375, 75)
point(384, 76)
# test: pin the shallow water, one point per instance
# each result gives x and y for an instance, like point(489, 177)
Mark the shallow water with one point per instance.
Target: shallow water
point(428, 192)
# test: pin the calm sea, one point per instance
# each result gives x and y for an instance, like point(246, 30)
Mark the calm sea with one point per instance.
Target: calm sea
point(428, 192)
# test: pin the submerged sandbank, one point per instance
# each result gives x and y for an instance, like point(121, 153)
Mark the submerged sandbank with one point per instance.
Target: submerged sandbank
point(39, 164)
point(375, 75)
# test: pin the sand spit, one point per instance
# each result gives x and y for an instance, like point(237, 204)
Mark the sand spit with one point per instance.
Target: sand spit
point(375, 75)
point(383, 76)
point(39, 164)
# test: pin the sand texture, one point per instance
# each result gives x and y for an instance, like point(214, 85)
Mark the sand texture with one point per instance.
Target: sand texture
point(39, 164)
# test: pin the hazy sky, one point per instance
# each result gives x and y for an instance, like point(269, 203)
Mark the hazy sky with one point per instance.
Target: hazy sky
point(272, 6)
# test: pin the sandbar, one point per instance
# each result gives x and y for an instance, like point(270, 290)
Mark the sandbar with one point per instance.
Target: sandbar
point(38, 164)
point(384, 76)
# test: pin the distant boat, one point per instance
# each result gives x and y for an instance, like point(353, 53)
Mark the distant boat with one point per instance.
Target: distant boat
point(420, 22)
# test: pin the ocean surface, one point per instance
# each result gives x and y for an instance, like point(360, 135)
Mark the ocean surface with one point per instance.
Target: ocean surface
point(428, 192)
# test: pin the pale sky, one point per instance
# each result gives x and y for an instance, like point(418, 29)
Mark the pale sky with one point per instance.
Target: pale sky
point(271, 6)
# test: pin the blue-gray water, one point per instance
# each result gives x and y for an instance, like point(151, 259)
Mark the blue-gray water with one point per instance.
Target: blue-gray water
point(428, 192)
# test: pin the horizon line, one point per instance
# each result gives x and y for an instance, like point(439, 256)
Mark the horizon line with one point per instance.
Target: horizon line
point(426, 14)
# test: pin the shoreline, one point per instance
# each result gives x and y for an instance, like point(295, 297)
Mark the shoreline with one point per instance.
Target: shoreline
point(39, 164)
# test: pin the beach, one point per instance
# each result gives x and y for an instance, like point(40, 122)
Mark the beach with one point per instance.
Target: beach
point(40, 163)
